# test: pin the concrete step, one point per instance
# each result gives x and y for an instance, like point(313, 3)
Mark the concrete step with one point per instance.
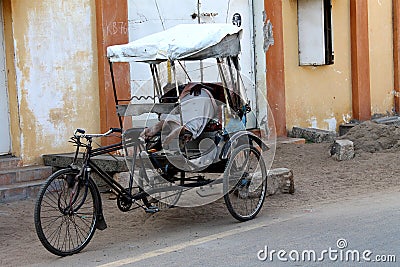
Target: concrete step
point(105, 162)
point(290, 140)
point(17, 183)
point(7, 162)
point(24, 174)
point(313, 134)
point(20, 191)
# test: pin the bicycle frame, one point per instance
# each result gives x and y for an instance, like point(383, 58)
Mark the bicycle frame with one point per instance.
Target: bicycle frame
point(88, 165)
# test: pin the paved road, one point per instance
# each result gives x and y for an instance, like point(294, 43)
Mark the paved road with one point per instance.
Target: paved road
point(366, 227)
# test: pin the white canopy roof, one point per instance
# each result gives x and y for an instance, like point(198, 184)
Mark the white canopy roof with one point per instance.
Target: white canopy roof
point(182, 42)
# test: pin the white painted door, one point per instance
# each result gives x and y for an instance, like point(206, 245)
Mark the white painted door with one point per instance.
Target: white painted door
point(147, 17)
point(5, 139)
point(212, 11)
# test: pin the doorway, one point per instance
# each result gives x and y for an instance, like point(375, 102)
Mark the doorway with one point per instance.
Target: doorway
point(5, 138)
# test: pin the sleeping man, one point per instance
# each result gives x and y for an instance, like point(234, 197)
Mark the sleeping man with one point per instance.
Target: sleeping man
point(197, 108)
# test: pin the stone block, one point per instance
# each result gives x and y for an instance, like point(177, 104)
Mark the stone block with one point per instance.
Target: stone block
point(280, 181)
point(313, 135)
point(342, 150)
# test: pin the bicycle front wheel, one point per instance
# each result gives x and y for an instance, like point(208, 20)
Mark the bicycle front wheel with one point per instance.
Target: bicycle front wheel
point(65, 213)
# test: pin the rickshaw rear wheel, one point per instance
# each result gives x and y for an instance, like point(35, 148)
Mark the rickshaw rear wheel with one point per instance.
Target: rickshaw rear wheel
point(245, 182)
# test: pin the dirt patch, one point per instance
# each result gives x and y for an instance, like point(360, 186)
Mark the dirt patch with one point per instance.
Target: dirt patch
point(373, 137)
point(318, 179)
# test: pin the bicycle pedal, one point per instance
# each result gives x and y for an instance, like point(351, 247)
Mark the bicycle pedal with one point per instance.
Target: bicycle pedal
point(152, 209)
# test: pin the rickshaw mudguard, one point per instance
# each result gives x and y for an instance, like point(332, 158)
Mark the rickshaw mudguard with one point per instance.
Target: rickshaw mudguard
point(243, 137)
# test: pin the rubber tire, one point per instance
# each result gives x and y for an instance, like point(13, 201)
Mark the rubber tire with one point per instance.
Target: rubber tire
point(227, 193)
point(37, 215)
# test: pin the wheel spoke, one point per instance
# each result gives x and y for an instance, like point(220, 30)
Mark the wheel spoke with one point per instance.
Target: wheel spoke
point(65, 223)
point(48, 223)
point(51, 195)
point(56, 233)
point(245, 192)
point(81, 234)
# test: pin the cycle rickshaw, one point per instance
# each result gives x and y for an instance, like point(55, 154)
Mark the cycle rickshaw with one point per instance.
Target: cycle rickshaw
point(199, 140)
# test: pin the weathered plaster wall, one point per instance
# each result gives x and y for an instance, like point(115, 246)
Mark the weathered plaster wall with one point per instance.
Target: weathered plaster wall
point(56, 73)
point(318, 96)
point(381, 55)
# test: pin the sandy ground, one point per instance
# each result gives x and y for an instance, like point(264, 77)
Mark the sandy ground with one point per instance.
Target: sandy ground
point(318, 179)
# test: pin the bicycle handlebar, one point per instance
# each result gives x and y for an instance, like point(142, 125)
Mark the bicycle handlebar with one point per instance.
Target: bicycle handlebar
point(82, 133)
point(116, 130)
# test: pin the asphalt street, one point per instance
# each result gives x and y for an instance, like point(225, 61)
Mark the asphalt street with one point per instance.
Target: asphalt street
point(349, 232)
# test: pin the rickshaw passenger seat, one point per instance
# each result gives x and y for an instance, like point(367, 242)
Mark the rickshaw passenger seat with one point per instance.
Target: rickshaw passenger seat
point(215, 92)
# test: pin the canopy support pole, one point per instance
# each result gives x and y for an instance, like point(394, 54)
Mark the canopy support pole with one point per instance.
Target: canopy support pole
point(177, 91)
point(225, 85)
point(115, 91)
point(156, 81)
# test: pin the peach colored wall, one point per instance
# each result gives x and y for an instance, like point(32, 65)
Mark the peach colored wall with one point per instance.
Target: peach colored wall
point(321, 96)
point(318, 96)
point(56, 81)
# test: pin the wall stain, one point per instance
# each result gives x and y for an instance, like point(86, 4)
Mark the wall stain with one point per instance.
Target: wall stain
point(56, 73)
